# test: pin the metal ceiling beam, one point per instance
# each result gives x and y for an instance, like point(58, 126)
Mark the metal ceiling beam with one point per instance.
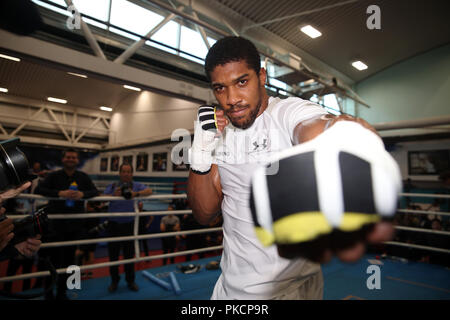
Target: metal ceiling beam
point(201, 30)
point(415, 123)
point(87, 129)
point(276, 60)
point(59, 125)
point(16, 131)
point(88, 34)
point(135, 46)
point(299, 14)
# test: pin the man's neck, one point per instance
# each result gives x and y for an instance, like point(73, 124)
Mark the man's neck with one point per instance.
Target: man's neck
point(264, 103)
point(69, 171)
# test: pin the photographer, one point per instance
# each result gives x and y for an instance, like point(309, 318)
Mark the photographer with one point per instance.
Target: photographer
point(123, 226)
point(26, 248)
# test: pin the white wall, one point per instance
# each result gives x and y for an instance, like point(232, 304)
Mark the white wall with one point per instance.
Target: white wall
point(145, 117)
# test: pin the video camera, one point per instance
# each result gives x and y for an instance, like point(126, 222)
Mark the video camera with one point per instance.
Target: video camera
point(126, 190)
point(14, 166)
point(29, 227)
point(15, 171)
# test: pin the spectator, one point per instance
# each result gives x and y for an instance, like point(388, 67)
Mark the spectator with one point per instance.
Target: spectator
point(57, 184)
point(193, 241)
point(123, 226)
point(169, 223)
point(85, 254)
point(144, 225)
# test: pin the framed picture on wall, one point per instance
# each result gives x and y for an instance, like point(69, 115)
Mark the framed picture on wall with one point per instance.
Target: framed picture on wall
point(429, 162)
point(128, 159)
point(103, 164)
point(114, 163)
point(160, 161)
point(181, 166)
point(142, 162)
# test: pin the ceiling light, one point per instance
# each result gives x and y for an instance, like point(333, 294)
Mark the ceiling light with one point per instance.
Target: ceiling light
point(56, 100)
point(106, 108)
point(310, 31)
point(3, 90)
point(359, 65)
point(131, 88)
point(77, 75)
point(4, 56)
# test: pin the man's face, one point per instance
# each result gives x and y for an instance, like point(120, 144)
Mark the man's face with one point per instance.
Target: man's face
point(70, 160)
point(239, 91)
point(126, 174)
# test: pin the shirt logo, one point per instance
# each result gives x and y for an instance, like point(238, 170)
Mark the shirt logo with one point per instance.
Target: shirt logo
point(260, 146)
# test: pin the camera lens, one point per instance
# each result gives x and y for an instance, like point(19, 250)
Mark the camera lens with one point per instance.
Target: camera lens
point(14, 167)
point(30, 226)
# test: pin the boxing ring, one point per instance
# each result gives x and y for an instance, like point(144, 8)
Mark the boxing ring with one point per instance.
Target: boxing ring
point(400, 279)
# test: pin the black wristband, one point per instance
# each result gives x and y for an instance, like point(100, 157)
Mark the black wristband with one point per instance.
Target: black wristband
point(199, 172)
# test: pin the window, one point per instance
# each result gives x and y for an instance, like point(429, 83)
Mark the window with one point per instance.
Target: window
point(331, 104)
point(134, 18)
point(50, 7)
point(192, 42)
point(97, 9)
point(168, 34)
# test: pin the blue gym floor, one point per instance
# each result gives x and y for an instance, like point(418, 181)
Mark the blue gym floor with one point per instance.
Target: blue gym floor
point(399, 281)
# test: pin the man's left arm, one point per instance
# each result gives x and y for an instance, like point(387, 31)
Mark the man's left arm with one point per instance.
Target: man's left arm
point(89, 189)
point(142, 191)
point(311, 128)
point(350, 250)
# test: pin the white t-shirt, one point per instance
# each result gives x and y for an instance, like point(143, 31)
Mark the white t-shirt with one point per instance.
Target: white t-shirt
point(249, 270)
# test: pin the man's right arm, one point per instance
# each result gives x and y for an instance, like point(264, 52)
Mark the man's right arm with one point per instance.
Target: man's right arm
point(205, 195)
point(46, 187)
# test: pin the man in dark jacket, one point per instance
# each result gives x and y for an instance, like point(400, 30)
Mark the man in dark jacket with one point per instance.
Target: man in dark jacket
point(72, 186)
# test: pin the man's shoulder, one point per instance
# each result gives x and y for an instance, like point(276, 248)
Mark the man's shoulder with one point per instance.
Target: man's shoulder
point(277, 103)
point(81, 173)
point(54, 173)
point(139, 185)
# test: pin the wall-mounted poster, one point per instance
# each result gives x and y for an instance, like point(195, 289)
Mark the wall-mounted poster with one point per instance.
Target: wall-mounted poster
point(160, 161)
point(142, 162)
point(432, 162)
point(103, 164)
point(115, 163)
point(182, 166)
point(128, 160)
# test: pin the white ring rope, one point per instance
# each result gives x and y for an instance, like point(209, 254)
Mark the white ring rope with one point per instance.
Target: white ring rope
point(424, 212)
point(114, 263)
point(137, 237)
point(128, 238)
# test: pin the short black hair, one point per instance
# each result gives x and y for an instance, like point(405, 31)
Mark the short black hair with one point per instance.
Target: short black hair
point(126, 164)
point(70, 150)
point(230, 49)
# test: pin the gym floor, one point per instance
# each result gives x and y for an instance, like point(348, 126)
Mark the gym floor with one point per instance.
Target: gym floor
point(398, 281)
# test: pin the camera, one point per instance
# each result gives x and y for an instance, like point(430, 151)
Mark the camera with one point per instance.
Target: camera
point(99, 228)
point(126, 190)
point(29, 227)
point(14, 166)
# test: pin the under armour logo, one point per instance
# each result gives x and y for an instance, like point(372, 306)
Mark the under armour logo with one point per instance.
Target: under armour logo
point(264, 145)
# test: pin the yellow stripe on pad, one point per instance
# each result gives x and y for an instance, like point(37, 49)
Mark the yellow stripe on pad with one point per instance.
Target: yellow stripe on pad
point(300, 227)
point(215, 119)
point(265, 237)
point(352, 221)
